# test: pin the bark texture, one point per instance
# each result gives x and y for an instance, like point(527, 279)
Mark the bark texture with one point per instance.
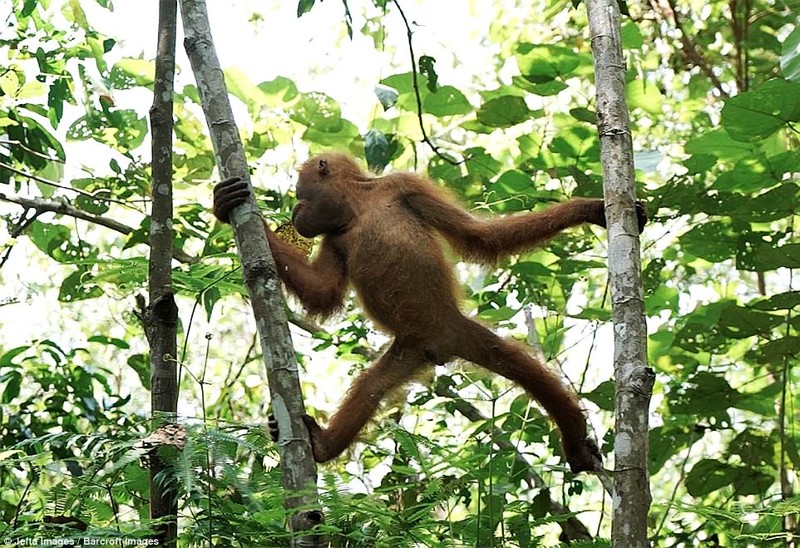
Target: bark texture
point(297, 462)
point(634, 379)
point(161, 317)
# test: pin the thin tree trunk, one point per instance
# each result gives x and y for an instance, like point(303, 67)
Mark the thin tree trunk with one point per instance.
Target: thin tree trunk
point(161, 317)
point(634, 380)
point(260, 275)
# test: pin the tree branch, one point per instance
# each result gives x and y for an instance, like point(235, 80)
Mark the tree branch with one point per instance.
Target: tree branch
point(62, 208)
point(692, 52)
point(633, 378)
point(97, 194)
point(161, 316)
point(298, 468)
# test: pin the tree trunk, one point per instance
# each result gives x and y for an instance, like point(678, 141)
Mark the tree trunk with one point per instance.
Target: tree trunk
point(297, 461)
point(161, 317)
point(634, 380)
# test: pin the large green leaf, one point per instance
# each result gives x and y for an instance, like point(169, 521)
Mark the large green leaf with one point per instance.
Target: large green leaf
point(504, 111)
point(446, 101)
point(317, 111)
point(781, 301)
point(760, 252)
point(277, 92)
point(128, 73)
point(55, 240)
point(710, 475)
point(778, 351)
point(646, 96)
point(707, 476)
point(755, 115)
point(705, 394)
point(543, 62)
point(718, 143)
point(776, 203)
point(78, 286)
point(714, 241)
point(665, 442)
point(377, 150)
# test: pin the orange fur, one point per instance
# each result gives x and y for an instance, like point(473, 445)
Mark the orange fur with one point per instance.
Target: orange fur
point(380, 234)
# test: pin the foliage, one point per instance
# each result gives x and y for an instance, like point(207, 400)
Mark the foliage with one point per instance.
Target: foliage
point(713, 91)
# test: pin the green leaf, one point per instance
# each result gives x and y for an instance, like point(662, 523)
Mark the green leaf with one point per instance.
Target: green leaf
point(760, 252)
point(11, 80)
point(646, 96)
point(13, 382)
point(631, 36)
point(738, 322)
point(714, 241)
point(777, 203)
point(98, 202)
point(790, 56)
point(210, 297)
point(504, 112)
point(304, 6)
point(141, 365)
point(592, 313)
point(755, 115)
point(73, 12)
point(496, 315)
point(603, 396)
point(761, 402)
point(583, 114)
point(112, 341)
point(781, 301)
point(76, 287)
point(783, 350)
point(318, 111)
point(750, 481)
point(376, 149)
point(7, 359)
point(344, 138)
point(718, 144)
point(123, 272)
point(40, 143)
point(128, 73)
point(121, 129)
point(755, 449)
point(543, 63)
point(750, 174)
point(446, 101)
point(705, 394)
point(240, 86)
point(386, 95)
point(512, 183)
point(709, 475)
point(666, 441)
point(278, 92)
point(51, 239)
point(402, 83)
point(426, 68)
point(545, 89)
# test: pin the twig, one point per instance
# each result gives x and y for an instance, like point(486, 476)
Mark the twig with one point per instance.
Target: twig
point(63, 208)
point(96, 195)
point(29, 150)
point(21, 226)
point(425, 138)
